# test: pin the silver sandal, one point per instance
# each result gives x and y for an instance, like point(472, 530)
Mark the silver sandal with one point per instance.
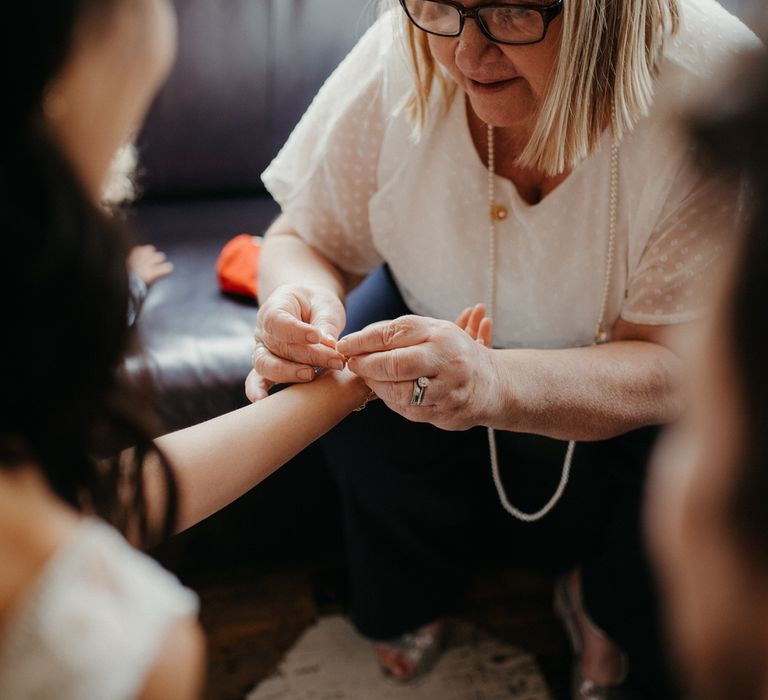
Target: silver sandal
point(421, 649)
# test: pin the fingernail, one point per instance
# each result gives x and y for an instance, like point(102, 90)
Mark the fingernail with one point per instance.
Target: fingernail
point(305, 374)
point(336, 364)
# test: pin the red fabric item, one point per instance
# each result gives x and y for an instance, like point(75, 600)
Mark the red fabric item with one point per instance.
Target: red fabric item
point(238, 265)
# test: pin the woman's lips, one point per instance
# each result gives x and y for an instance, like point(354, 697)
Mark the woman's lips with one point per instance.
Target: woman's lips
point(487, 87)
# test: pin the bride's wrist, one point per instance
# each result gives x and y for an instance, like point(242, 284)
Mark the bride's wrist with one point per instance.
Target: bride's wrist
point(357, 387)
point(352, 387)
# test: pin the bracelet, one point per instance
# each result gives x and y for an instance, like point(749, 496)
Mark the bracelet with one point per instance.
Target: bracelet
point(370, 397)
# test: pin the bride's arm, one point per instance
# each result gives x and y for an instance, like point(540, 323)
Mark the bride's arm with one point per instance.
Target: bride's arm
point(217, 461)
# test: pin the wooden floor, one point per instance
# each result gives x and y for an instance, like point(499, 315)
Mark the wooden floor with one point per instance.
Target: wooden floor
point(252, 617)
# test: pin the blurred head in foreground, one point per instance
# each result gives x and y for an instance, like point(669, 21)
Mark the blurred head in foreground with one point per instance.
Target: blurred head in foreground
point(708, 506)
point(78, 78)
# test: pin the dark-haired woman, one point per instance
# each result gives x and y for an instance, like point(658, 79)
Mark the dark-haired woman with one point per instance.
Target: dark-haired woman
point(83, 616)
point(708, 508)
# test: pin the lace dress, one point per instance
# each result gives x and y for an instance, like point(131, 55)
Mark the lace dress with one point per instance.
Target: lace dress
point(93, 623)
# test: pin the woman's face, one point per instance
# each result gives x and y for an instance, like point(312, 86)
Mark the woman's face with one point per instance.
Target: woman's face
point(120, 57)
point(712, 595)
point(505, 84)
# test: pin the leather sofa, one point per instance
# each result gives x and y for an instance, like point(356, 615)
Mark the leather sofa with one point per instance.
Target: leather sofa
point(245, 72)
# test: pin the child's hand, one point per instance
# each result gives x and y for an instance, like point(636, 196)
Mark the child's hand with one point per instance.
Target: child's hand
point(479, 326)
point(148, 264)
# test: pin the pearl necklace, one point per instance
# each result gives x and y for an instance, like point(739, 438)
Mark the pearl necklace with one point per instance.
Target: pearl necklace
point(499, 213)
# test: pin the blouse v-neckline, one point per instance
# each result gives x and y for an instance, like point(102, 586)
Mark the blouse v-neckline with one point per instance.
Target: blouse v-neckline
point(504, 186)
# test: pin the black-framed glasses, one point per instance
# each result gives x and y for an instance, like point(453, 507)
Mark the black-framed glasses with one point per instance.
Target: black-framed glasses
point(518, 24)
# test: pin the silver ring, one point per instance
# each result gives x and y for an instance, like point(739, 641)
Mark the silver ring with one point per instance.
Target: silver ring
point(419, 389)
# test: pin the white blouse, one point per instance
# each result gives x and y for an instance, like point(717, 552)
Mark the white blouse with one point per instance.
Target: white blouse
point(357, 186)
point(93, 623)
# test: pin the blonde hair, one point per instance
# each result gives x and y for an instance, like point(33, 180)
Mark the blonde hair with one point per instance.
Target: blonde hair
point(604, 76)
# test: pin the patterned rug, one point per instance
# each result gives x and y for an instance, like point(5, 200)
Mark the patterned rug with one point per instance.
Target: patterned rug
point(332, 662)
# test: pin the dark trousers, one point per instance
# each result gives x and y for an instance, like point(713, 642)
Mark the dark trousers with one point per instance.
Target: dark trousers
point(420, 506)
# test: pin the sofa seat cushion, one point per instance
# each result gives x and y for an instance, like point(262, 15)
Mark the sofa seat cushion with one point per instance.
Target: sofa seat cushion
point(197, 341)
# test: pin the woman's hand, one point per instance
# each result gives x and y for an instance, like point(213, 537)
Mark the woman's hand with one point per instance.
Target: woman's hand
point(474, 322)
point(296, 331)
point(462, 390)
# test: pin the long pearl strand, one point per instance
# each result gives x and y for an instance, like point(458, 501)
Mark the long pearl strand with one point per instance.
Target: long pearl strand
point(601, 335)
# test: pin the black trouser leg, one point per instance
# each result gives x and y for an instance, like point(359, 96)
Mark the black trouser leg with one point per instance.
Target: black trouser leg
point(407, 517)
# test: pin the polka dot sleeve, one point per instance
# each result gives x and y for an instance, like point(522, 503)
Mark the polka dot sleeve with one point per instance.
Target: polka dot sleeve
point(325, 175)
point(679, 267)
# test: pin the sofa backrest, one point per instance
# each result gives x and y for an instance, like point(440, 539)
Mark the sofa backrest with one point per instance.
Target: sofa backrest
point(245, 72)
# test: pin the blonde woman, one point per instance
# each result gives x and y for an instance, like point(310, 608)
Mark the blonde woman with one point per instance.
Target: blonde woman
point(516, 154)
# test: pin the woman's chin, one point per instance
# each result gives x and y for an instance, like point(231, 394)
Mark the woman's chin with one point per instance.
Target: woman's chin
point(502, 113)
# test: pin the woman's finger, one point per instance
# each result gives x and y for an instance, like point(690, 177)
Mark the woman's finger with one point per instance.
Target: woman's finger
point(399, 333)
point(461, 321)
point(398, 395)
point(256, 386)
point(475, 317)
point(400, 364)
point(278, 370)
point(485, 332)
point(281, 323)
point(318, 355)
point(327, 315)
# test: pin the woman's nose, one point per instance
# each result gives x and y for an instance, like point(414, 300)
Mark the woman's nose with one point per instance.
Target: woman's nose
point(473, 47)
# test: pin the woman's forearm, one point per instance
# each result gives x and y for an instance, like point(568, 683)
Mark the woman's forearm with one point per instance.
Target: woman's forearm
point(287, 259)
point(218, 461)
point(587, 394)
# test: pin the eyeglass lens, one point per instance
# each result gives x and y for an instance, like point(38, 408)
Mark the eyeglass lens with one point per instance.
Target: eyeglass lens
point(509, 24)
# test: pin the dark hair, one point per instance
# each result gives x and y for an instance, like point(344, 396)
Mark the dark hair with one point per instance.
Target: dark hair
point(737, 142)
point(64, 299)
